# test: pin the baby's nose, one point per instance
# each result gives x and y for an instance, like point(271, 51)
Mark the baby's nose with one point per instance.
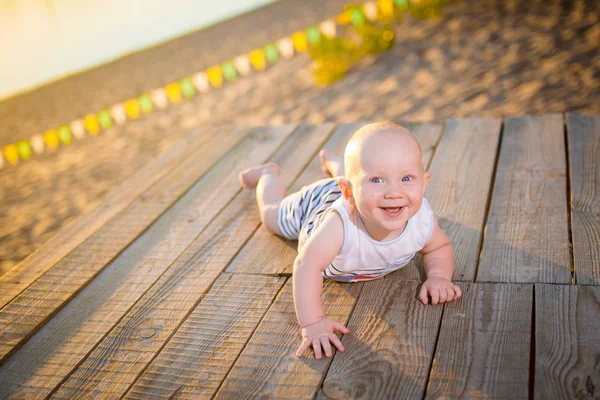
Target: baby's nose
point(394, 191)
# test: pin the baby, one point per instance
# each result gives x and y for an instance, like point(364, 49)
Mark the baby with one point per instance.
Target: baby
point(367, 221)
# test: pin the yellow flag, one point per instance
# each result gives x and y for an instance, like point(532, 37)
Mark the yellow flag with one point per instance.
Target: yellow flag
point(132, 109)
point(11, 154)
point(257, 59)
point(51, 139)
point(344, 18)
point(386, 7)
point(215, 76)
point(299, 41)
point(91, 124)
point(174, 92)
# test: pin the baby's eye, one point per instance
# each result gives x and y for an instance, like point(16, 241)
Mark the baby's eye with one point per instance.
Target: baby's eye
point(376, 180)
point(407, 179)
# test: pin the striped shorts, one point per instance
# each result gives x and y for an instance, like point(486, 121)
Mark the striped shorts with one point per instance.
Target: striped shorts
point(302, 211)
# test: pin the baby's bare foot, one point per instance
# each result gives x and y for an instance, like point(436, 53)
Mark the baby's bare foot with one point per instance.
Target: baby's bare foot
point(331, 164)
point(250, 177)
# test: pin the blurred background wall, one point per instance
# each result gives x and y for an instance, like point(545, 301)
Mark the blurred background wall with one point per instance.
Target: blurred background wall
point(44, 40)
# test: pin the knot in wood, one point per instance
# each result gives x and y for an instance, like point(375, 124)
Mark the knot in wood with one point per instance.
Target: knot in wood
point(145, 333)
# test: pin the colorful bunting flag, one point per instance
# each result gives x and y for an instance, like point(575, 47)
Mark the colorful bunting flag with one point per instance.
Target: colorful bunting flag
point(300, 42)
point(187, 88)
point(90, 123)
point(257, 59)
point(313, 34)
point(215, 77)
point(242, 63)
point(358, 18)
point(159, 98)
point(344, 18)
point(37, 143)
point(105, 119)
point(51, 139)
point(78, 129)
point(386, 7)
point(24, 149)
point(118, 113)
point(132, 109)
point(329, 28)
point(64, 135)
point(286, 48)
point(11, 153)
point(201, 82)
point(229, 71)
point(146, 103)
point(173, 92)
point(402, 4)
point(271, 53)
point(370, 9)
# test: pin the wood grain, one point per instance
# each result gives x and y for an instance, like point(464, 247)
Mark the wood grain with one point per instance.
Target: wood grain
point(268, 367)
point(461, 173)
point(390, 345)
point(68, 337)
point(527, 235)
point(483, 349)
point(197, 358)
point(584, 160)
point(34, 306)
point(71, 236)
point(567, 349)
point(121, 356)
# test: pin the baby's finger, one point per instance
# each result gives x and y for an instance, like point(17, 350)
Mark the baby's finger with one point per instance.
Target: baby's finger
point(423, 294)
point(450, 293)
point(317, 348)
point(443, 295)
point(305, 345)
point(326, 346)
point(336, 341)
point(435, 296)
point(457, 291)
point(339, 327)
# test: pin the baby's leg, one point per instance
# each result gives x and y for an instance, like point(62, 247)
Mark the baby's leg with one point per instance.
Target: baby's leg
point(332, 164)
point(269, 192)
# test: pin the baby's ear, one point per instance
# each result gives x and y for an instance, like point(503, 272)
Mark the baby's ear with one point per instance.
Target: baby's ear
point(426, 177)
point(346, 190)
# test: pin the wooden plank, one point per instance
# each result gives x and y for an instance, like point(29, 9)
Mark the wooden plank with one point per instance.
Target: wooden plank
point(389, 350)
point(73, 332)
point(584, 155)
point(268, 367)
point(527, 232)
point(567, 345)
point(483, 349)
point(197, 358)
point(119, 359)
point(70, 237)
point(252, 256)
point(461, 174)
point(34, 306)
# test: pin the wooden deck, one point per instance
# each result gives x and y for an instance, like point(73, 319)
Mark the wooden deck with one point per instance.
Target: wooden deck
point(171, 289)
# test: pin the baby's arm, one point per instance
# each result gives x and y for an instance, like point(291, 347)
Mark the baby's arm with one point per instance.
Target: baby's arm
point(320, 249)
point(438, 262)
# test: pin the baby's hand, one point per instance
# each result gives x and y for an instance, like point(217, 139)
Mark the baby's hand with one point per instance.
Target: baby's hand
point(440, 289)
point(320, 334)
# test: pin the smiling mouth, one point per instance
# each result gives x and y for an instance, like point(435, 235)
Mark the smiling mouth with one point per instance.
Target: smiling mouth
point(392, 211)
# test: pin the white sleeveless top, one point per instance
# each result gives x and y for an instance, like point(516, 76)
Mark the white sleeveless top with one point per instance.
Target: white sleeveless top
point(363, 258)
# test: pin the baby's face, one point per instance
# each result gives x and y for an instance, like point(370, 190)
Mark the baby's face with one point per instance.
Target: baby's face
point(388, 183)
